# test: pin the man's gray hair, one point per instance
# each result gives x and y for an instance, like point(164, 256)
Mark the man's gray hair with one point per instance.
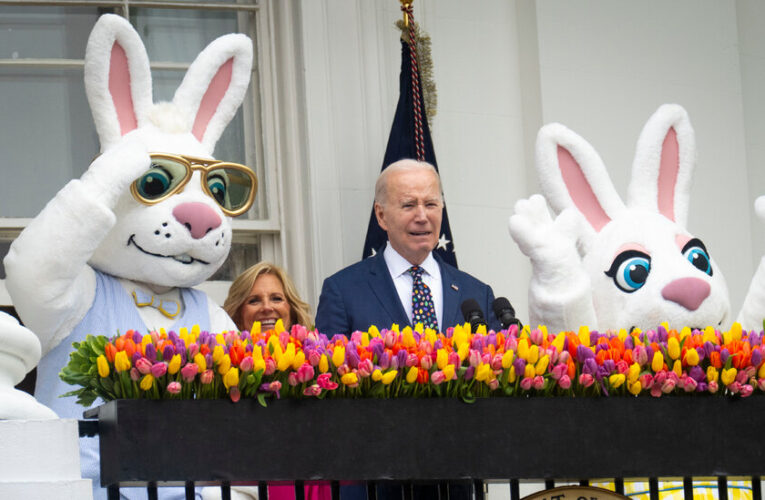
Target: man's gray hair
point(381, 186)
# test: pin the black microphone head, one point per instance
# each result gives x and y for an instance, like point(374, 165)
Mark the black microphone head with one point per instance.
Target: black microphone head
point(504, 312)
point(473, 313)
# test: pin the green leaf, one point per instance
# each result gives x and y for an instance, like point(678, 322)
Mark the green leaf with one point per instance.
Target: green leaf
point(262, 400)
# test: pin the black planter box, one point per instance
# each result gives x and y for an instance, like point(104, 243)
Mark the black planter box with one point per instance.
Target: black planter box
point(429, 439)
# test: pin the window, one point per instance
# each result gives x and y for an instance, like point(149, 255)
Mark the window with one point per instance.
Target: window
point(48, 136)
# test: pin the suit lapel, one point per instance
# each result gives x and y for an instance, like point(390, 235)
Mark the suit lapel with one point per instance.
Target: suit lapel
point(451, 294)
point(382, 286)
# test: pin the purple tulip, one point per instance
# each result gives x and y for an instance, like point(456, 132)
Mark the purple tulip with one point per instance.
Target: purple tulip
point(167, 353)
point(151, 352)
point(469, 373)
point(401, 358)
point(384, 360)
point(663, 334)
point(696, 373)
point(137, 338)
point(520, 366)
point(583, 353)
point(724, 354)
point(136, 356)
point(590, 366)
point(628, 343)
point(756, 357)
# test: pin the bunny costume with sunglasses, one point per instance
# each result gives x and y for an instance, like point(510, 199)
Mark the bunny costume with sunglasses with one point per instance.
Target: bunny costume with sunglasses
point(608, 265)
point(71, 271)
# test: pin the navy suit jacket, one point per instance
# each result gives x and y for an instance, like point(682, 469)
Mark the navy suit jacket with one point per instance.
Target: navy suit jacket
point(363, 294)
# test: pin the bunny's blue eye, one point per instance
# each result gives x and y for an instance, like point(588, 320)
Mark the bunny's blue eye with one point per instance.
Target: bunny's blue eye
point(630, 270)
point(154, 183)
point(217, 186)
point(697, 254)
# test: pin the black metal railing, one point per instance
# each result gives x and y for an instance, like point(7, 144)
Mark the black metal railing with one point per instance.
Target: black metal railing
point(438, 441)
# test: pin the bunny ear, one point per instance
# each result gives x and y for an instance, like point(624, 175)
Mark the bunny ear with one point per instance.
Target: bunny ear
point(117, 78)
point(214, 86)
point(572, 174)
point(663, 166)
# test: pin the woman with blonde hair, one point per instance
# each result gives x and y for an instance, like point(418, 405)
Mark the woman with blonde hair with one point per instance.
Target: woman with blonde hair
point(265, 293)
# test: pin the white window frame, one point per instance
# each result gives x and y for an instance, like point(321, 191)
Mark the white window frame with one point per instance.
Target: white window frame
point(281, 135)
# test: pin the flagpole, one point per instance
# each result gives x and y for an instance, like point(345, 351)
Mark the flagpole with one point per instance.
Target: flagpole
point(406, 6)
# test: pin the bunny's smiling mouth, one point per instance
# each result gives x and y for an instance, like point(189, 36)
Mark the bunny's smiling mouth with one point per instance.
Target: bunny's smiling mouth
point(183, 259)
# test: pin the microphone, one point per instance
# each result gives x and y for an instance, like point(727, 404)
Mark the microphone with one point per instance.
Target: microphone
point(505, 313)
point(473, 314)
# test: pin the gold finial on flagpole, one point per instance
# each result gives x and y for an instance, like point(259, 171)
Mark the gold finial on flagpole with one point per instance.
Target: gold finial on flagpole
point(405, 6)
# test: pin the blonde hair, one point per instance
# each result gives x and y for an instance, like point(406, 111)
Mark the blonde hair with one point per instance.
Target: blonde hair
point(240, 290)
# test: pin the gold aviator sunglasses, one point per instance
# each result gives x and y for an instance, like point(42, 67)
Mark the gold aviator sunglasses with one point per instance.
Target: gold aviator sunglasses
point(231, 185)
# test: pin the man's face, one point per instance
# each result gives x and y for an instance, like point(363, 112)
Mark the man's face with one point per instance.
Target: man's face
point(411, 213)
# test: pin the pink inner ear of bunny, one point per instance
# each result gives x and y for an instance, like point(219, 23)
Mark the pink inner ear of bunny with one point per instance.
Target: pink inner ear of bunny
point(212, 98)
point(119, 88)
point(580, 191)
point(668, 171)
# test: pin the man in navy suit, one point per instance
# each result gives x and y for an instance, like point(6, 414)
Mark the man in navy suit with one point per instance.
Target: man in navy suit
point(378, 290)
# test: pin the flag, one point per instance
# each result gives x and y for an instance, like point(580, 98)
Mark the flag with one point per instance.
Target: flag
point(402, 143)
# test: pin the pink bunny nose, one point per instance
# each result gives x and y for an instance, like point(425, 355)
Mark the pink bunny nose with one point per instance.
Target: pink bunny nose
point(688, 292)
point(198, 218)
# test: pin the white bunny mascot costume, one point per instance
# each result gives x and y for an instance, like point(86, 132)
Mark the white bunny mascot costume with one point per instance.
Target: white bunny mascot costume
point(753, 310)
point(608, 265)
point(72, 271)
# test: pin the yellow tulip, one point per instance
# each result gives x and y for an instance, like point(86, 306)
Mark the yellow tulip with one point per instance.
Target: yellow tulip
point(464, 350)
point(677, 367)
point(657, 364)
point(195, 330)
point(541, 366)
point(255, 329)
point(584, 336)
point(431, 336)
point(146, 382)
point(511, 376)
point(259, 364)
point(442, 358)
point(448, 372)
point(411, 375)
point(231, 378)
point(761, 371)
point(338, 356)
point(685, 332)
point(408, 337)
point(279, 326)
point(174, 365)
point(673, 348)
point(483, 371)
point(323, 364)
point(533, 354)
point(523, 349)
point(103, 366)
point(377, 375)
point(507, 359)
point(616, 380)
point(634, 372)
point(121, 361)
point(691, 357)
point(622, 334)
point(283, 363)
point(710, 335)
point(389, 377)
point(218, 352)
point(558, 342)
point(712, 374)
point(299, 359)
point(481, 330)
point(635, 387)
point(220, 339)
point(224, 365)
point(728, 376)
point(364, 339)
point(351, 378)
point(394, 328)
point(529, 371)
point(199, 359)
point(419, 327)
point(374, 332)
point(735, 330)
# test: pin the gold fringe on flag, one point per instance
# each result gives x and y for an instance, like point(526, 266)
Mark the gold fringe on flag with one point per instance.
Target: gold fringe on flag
point(425, 65)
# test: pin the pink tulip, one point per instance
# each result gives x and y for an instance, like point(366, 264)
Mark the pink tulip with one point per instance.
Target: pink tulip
point(314, 357)
point(735, 387)
point(668, 386)
point(437, 377)
point(526, 383)
point(174, 387)
point(558, 371)
point(343, 369)
point(193, 350)
point(713, 387)
point(474, 358)
point(390, 338)
point(496, 362)
point(564, 382)
point(312, 390)
point(207, 376)
point(454, 359)
point(325, 382)
point(536, 336)
point(270, 366)
point(426, 362)
point(189, 372)
point(656, 391)
point(586, 380)
point(365, 369)
point(135, 375)
point(143, 365)
point(486, 359)
point(622, 366)
point(306, 372)
point(246, 364)
point(412, 360)
point(646, 380)
point(234, 394)
point(493, 384)
point(761, 384)
point(158, 369)
point(292, 379)
point(564, 357)
point(539, 382)
point(742, 377)
point(746, 390)
point(690, 384)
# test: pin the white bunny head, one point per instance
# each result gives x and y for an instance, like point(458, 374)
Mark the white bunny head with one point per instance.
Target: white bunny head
point(182, 240)
point(643, 265)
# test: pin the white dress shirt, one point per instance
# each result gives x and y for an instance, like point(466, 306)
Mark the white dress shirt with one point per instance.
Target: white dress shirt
point(398, 268)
